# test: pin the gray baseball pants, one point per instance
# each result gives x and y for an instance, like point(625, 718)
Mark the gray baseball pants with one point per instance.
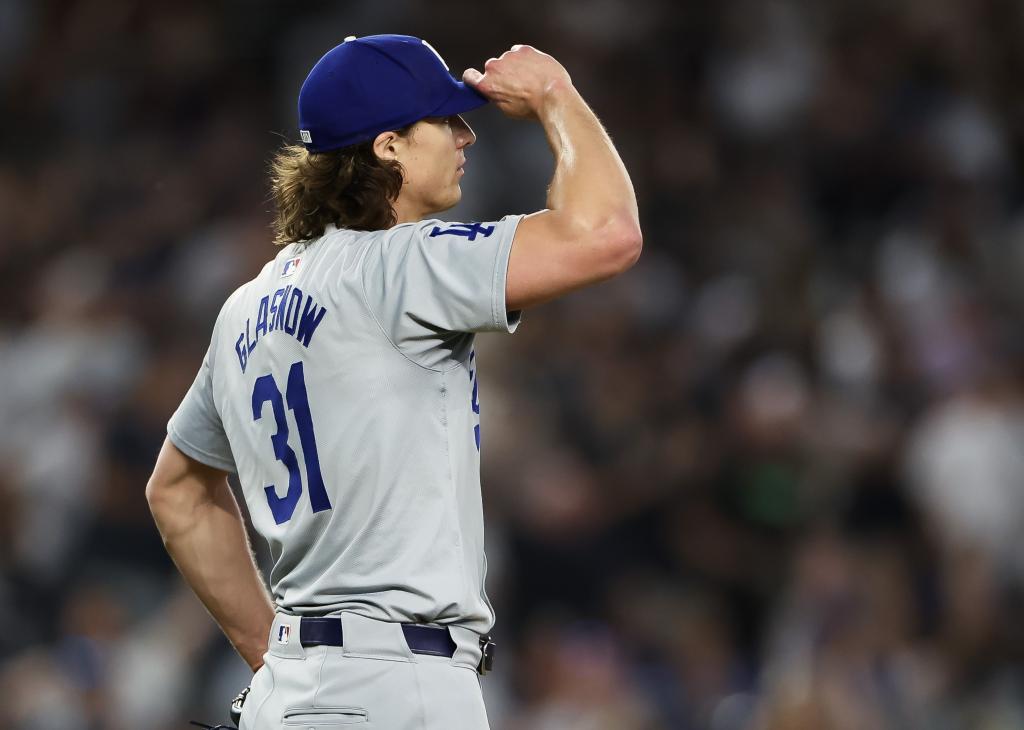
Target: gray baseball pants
point(374, 681)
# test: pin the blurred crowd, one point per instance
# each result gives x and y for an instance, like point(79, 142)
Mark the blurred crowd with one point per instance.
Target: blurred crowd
point(770, 479)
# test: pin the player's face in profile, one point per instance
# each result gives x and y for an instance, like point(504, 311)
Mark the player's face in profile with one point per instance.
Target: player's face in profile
point(433, 162)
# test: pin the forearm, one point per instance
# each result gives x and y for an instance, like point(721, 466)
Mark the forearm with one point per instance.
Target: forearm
point(206, 539)
point(590, 183)
point(591, 230)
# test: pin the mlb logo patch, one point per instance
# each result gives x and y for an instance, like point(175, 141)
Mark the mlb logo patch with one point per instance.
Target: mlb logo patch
point(283, 634)
point(290, 266)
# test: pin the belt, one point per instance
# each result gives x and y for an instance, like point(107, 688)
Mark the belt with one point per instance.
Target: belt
point(326, 631)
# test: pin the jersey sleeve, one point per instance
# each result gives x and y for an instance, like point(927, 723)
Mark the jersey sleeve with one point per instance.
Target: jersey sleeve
point(196, 428)
point(437, 277)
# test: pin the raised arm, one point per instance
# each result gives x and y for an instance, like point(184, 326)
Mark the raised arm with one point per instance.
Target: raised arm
point(591, 230)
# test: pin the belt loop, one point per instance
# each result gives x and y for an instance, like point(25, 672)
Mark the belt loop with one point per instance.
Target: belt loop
point(369, 637)
point(284, 637)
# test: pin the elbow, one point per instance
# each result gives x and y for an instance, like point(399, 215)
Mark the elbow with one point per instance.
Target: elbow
point(164, 504)
point(156, 497)
point(170, 514)
point(623, 240)
point(632, 245)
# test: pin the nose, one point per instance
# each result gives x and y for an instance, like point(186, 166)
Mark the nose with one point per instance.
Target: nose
point(464, 134)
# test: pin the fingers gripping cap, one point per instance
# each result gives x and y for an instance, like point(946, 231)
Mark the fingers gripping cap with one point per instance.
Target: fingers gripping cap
point(373, 84)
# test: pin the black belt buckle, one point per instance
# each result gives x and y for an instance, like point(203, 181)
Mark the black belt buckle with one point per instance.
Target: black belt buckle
point(487, 648)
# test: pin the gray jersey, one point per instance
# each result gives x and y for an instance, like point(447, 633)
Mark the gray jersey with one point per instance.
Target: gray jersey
point(340, 385)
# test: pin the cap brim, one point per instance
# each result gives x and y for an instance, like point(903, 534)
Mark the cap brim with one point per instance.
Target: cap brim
point(463, 99)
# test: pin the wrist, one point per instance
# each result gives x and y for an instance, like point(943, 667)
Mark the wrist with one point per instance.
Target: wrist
point(555, 93)
point(254, 658)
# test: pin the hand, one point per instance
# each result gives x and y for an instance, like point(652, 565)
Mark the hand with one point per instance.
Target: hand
point(519, 81)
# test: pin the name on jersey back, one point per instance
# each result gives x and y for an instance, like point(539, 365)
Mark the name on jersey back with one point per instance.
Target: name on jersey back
point(287, 310)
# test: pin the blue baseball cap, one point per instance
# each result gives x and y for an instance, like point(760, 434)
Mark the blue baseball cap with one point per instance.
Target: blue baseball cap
point(373, 84)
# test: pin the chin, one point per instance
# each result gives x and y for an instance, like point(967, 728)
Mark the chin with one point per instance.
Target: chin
point(449, 201)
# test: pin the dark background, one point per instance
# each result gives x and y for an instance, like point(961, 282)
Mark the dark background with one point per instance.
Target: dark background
point(770, 479)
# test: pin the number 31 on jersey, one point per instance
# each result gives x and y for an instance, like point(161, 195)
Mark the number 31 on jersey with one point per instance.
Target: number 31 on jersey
point(265, 390)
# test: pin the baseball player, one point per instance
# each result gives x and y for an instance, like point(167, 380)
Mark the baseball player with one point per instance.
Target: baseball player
point(341, 386)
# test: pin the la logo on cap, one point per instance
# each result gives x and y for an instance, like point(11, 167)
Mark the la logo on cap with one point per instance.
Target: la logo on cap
point(375, 83)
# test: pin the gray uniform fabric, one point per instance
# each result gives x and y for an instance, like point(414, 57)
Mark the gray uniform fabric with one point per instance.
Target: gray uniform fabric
point(340, 385)
point(374, 681)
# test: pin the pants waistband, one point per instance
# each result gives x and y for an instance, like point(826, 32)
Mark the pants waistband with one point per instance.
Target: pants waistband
point(359, 636)
point(422, 639)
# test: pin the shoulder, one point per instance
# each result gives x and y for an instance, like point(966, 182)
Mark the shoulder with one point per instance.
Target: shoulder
point(395, 244)
point(405, 232)
point(437, 229)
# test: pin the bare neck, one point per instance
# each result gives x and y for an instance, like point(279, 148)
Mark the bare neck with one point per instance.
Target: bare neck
point(408, 212)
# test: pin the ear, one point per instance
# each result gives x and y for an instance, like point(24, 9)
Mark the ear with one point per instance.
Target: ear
point(386, 145)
